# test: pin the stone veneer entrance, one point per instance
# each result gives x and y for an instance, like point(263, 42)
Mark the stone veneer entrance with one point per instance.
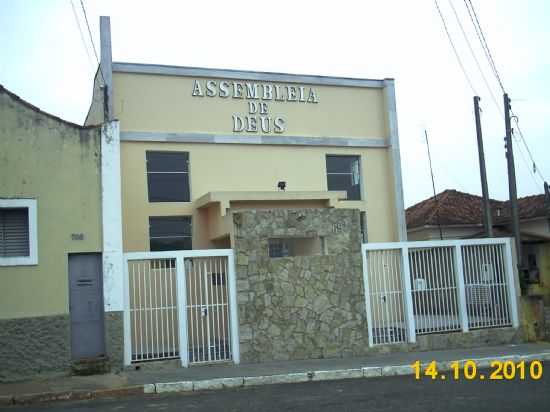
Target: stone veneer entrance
point(300, 307)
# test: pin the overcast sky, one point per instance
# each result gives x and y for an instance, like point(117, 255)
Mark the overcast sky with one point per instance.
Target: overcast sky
point(43, 59)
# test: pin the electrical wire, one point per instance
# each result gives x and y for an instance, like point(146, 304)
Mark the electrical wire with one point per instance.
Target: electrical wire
point(92, 40)
point(86, 48)
point(454, 48)
point(483, 41)
point(499, 108)
point(536, 170)
point(525, 162)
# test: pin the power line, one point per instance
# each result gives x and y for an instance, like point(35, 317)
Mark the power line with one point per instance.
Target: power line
point(489, 56)
point(92, 40)
point(454, 48)
point(484, 43)
point(86, 48)
point(475, 58)
point(535, 168)
point(525, 162)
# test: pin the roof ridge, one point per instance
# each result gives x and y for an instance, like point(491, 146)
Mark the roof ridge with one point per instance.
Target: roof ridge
point(438, 202)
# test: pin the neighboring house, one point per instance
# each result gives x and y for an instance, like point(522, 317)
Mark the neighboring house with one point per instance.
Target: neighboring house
point(50, 238)
point(457, 215)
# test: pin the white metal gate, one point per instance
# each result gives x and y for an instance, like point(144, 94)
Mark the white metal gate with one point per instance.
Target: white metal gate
point(209, 333)
point(486, 286)
point(181, 304)
point(385, 294)
point(434, 290)
point(153, 309)
point(414, 288)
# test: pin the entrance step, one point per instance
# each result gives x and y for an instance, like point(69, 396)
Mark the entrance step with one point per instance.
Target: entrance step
point(155, 365)
point(91, 366)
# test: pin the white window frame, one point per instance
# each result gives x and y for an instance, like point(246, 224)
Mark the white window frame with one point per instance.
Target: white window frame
point(30, 205)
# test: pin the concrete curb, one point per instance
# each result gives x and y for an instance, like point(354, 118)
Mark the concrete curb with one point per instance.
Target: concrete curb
point(324, 375)
point(248, 381)
point(73, 395)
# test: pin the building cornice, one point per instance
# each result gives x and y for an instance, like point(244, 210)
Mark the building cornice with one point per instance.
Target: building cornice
point(138, 68)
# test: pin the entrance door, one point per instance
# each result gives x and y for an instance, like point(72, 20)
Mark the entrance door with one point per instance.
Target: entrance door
point(86, 305)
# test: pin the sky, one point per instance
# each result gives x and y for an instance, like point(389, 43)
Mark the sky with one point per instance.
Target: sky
point(47, 58)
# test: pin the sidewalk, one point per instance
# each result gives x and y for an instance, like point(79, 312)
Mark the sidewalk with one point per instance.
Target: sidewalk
point(150, 380)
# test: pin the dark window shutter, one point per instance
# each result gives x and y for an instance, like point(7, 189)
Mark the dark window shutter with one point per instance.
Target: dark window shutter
point(168, 176)
point(14, 232)
point(343, 173)
point(170, 233)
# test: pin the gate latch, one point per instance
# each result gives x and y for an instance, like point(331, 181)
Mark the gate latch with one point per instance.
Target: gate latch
point(204, 311)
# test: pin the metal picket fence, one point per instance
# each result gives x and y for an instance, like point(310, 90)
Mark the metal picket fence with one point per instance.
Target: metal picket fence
point(180, 304)
point(415, 288)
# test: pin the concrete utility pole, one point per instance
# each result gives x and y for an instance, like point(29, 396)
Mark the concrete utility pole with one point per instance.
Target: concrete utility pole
point(487, 217)
point(106, 67)
point(512, 180)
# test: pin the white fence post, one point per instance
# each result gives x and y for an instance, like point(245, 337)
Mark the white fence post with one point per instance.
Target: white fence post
point(461, 288)
point(127, 318)
point(233, 308)
point(367, 293)
point(512, 297)
point(409, 308)
point(181, 290)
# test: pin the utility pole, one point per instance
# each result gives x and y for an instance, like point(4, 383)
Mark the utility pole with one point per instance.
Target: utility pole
point(487, 217)
point(512, 180)
point(433, 186)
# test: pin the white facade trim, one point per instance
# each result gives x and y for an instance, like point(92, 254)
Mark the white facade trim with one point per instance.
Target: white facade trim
point(111, 206)
point(30, 205)
point(374, 142)
point(391, 112)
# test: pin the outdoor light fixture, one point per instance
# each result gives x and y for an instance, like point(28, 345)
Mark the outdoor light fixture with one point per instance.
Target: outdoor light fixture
point(281, 185)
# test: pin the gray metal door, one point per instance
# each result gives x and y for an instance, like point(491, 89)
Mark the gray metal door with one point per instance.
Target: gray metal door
point(86, 305)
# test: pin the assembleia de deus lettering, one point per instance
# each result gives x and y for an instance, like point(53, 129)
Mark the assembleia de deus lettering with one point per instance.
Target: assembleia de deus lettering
point(258, 95)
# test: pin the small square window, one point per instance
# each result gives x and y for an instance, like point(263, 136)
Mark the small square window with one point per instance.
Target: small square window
point(296, 246)
point(18, 232)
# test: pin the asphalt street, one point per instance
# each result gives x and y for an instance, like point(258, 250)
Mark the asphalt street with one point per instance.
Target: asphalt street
point(383, 394)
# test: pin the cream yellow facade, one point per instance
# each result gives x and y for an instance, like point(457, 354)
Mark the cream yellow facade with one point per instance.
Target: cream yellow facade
point(164, 103)
point(233, 167)
point(161, 110)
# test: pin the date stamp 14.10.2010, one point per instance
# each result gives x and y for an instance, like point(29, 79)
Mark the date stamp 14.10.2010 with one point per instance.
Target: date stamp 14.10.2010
point(469, 370)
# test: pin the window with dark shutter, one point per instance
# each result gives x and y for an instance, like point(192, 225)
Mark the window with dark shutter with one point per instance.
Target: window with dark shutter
point(170, 233)
point(14, 232)
point(343, 173)
point(168, 176)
